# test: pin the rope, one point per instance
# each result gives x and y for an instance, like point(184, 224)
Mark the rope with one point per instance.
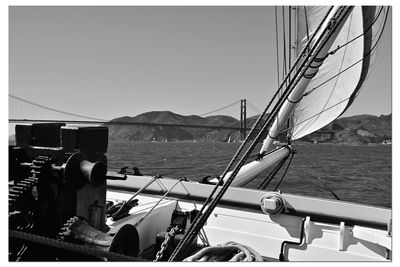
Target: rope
point(284, 173)
point(324, 184)
point(265, 182)
point(199, 222)
point(229, 251)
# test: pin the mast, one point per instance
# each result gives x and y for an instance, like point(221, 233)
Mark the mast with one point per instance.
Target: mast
point(252, 169)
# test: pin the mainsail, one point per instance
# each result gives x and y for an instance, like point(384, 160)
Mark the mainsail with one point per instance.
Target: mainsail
point(340, 45)
point(343, 72)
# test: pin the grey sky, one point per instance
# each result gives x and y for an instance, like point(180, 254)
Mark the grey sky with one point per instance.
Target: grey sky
point(108, 62)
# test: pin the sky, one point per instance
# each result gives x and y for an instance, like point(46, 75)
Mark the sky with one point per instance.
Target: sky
point(108, 62)
point(111, 62)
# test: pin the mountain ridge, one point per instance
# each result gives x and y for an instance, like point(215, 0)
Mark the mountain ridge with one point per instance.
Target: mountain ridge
point(357, 129)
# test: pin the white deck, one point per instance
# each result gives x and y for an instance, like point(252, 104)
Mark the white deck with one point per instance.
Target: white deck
point(264, 233)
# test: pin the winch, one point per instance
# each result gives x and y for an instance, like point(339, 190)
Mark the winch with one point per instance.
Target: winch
point(58, 173)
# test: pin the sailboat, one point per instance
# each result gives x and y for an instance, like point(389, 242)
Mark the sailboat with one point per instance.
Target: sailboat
point(95, 214)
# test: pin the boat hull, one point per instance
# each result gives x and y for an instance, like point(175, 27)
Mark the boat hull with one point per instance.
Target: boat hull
point(327, 230)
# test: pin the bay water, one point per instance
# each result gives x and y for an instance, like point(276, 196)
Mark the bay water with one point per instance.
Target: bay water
point(360, 174)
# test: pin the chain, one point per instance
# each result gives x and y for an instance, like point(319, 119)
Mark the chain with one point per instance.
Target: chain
point(164, 244)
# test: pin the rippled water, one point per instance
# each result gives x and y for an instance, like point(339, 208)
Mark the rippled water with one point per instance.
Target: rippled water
point(360, 174)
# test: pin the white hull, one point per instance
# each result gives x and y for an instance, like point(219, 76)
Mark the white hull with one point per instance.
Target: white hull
point(333, 230)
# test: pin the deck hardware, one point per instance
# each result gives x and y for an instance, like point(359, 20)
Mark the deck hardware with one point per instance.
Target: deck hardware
point(272, 203)
point(281, 255)
point(307, 230)
point(121, 210)
point(341, 236)
point(388, 254)
point(158, 202)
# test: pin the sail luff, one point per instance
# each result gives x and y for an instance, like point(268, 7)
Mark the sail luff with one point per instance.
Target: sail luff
point(297, 93)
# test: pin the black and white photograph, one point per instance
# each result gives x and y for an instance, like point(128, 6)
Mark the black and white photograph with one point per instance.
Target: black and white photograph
point(200, 133)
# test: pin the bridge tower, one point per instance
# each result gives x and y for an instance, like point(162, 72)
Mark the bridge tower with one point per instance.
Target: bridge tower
point(243, 125)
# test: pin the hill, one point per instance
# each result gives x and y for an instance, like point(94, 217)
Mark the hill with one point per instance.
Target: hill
point(161, 133)
point(360, 129)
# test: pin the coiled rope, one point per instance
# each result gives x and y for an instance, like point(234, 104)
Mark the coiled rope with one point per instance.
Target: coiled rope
point(229, 251)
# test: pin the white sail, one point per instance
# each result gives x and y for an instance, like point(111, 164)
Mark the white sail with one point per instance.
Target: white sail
point(314, 63)
point(342, 74)
point(330, 84)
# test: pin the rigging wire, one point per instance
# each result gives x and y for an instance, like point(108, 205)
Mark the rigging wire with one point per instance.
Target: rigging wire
point(306, 20)
point(277, 43)
point(267, 180)
point(362, 34)
point(284, 173)
point(288, 135)
point(201, 219)
point(290, 37)
point(284, 42)
point(323, 183)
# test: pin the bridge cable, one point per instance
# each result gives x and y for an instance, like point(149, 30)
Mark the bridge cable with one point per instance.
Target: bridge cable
point(219, 109)
point(53, 109)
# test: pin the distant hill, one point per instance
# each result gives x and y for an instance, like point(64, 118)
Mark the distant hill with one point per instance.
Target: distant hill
point(161, 133)
point(360, 129)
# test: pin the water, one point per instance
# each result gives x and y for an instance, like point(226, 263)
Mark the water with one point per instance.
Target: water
point(360, 174)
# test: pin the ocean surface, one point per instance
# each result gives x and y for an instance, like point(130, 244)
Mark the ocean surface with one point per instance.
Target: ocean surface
point(361, 174)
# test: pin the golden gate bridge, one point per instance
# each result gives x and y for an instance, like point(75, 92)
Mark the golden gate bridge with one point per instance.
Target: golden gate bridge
point(25, 111)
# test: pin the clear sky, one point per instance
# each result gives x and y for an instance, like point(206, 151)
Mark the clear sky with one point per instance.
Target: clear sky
point(107, 62)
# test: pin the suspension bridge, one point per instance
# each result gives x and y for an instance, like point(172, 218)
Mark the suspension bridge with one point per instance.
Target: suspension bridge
point(25, 111)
